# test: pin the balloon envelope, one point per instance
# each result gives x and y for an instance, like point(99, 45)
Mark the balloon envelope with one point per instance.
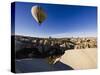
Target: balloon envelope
point(38, 14)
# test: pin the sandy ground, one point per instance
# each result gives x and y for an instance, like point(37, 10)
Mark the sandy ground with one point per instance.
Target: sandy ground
point(81, 58)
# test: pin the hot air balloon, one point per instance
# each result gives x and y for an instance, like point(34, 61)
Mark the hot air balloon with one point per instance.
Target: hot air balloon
point(38, 14)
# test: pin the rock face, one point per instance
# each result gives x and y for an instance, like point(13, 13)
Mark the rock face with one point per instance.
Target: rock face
point(81, 58)
point(52, 54)
point(54, 48)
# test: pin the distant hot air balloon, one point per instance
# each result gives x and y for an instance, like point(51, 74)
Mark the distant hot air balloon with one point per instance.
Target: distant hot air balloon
point(38, 14)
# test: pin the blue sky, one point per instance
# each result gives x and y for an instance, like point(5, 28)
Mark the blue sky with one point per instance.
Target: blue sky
point(61, 21)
